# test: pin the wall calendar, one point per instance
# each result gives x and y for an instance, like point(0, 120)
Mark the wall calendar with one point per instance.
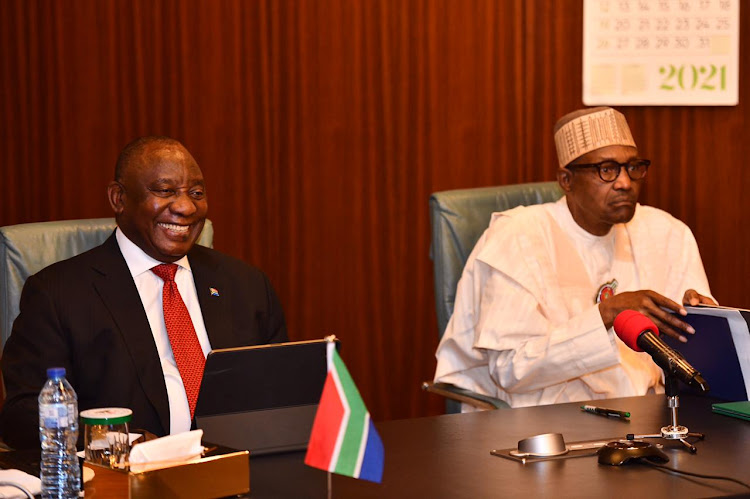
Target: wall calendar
point(661, 52)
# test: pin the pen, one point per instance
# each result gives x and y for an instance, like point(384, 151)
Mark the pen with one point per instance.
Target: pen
point(605, 412)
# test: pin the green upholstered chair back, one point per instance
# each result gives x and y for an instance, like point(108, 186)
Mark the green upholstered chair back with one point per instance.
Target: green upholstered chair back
point(25, 249)
point(459, 218)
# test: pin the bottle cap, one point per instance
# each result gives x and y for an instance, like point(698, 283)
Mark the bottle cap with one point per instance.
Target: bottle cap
point(55, 372)
point(106, 416)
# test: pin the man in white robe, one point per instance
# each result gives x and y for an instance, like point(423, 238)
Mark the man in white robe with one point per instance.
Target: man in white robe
point(535, 305)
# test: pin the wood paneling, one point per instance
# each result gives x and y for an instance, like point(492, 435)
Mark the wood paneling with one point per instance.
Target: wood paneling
point(322, 127)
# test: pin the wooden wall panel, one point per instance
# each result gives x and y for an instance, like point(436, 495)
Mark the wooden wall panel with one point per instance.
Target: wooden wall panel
point(322, 127)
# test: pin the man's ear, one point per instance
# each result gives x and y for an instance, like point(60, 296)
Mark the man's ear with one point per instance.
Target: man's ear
point(115, 195)
point(565, 179)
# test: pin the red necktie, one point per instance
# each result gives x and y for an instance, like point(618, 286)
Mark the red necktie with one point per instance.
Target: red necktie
point(185, 345)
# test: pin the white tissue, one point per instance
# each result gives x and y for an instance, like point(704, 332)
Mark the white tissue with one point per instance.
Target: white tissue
point(30, 482)
point(166, 451)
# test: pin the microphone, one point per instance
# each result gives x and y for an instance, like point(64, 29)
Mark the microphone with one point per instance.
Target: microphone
point(640, 334)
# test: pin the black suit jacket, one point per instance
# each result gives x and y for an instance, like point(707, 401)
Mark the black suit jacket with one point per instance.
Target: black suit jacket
point(85, 314)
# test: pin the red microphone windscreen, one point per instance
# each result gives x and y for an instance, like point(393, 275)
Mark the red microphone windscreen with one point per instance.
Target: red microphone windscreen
point(629, 325)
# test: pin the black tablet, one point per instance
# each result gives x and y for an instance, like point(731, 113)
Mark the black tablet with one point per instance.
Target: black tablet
point(262, 398)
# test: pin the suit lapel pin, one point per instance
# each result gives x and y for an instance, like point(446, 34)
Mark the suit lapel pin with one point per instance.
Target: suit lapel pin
point(214, 291)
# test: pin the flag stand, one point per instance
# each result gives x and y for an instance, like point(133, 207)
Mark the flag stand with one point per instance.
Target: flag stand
point(329, 485)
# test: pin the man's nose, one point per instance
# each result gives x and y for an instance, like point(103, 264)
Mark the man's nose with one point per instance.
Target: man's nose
point(623, 182)
point(183, 204)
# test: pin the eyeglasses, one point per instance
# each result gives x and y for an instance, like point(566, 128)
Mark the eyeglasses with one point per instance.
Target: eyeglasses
point(609, 170)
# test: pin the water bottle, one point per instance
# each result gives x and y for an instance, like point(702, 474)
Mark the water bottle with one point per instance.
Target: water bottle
point(58, 432)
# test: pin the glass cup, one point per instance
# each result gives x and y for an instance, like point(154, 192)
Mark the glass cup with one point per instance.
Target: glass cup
point(106, 436)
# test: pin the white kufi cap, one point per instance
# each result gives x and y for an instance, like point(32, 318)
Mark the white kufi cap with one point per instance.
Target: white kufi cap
point(600, 127)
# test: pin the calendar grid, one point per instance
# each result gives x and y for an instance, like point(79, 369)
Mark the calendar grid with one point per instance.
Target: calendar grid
point(661, 52)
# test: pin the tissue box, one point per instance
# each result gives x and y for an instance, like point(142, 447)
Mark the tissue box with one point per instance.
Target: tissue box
point(223, 472)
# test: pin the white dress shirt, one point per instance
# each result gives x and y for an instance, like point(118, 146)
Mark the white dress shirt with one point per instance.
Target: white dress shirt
point(150, 288)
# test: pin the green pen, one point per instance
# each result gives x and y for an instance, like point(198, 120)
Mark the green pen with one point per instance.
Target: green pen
point(601, 411)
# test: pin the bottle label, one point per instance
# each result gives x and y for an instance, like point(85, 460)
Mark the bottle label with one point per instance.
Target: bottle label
point(57, 415)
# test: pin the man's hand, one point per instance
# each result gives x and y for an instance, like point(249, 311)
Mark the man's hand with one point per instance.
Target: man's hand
point(650, 303)
point(692, 298)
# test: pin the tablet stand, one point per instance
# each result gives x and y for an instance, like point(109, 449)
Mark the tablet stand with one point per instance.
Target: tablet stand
point(672, 431)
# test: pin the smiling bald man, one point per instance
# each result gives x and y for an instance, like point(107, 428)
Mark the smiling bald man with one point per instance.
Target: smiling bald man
point(101, 314)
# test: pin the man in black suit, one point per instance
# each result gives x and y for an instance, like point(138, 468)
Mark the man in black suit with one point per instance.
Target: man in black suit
point(100, 314)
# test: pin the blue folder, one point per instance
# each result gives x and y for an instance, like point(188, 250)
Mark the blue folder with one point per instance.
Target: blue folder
point(712, 350)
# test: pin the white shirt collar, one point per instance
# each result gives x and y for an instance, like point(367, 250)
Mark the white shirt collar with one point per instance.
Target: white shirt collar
point(566, 217)
point(138, 261)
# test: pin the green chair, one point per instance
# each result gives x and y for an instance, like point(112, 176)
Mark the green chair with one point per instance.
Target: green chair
point(25, 249)
point(458, 219)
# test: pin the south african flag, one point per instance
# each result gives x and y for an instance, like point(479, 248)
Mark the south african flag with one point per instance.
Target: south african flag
point(343, 439)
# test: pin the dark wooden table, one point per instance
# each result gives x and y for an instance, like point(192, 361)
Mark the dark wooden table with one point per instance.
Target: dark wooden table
point(449, 456)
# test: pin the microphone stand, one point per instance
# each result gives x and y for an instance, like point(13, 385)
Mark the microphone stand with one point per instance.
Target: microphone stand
point(672, 431)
